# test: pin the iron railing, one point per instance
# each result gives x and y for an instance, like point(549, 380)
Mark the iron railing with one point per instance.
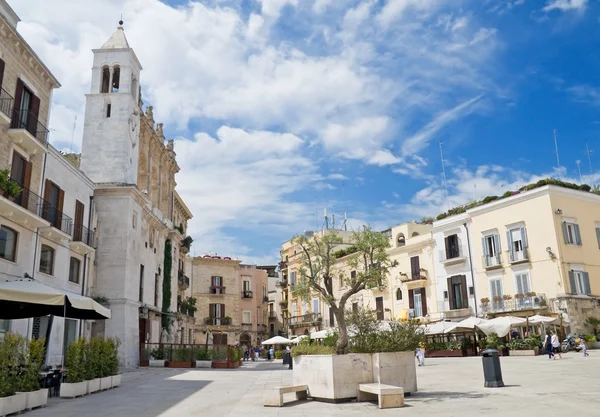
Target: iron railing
point(537, 301)
point(217, 321)
point(247, 294)
point(84, 235)
point(6, 102)
point(246, 327)
point(518, 256)
point(57, 218)
point(453, 252)
point(305, 318)
point(217, 289)
point(183, 281)
point(490, 261)
point(272, 314)
point(25, 119)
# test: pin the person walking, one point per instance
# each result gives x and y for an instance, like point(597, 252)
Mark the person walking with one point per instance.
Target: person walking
point(583, 347)
point(548, 346)
point(252, 353)
point(271, 353)
point(256, 352)
point(556, 345)
point(245, 349)
point(421, 354)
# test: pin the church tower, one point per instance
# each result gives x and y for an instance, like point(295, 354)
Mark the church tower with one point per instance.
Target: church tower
point(111, 129)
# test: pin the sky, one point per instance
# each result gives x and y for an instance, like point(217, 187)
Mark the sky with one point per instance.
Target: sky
point(282, 108)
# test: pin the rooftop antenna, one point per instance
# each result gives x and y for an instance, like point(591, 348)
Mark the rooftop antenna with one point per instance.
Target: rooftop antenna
point(121, 20)
point(589, 155)
point(557, 158)
point(444, 171)
point(333, 221)
point(73, 133)
point(578, 162)
point(345, 224)
point(326, 222)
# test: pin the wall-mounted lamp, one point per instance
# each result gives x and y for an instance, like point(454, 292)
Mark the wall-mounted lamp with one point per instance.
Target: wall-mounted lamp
point(549, 250)
point(558, 211)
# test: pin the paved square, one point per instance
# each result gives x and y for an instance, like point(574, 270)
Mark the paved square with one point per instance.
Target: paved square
point(447, 387)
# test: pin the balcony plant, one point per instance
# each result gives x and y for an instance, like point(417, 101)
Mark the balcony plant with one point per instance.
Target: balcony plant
point(32, 355)
point(10, 400)
point(203, 358)
point(497, 299)
point(10, 188)
point(485, 300)
point(519, 296)
point(157, 357)
point(507, 297)
point(76, 384)
point(530, 294)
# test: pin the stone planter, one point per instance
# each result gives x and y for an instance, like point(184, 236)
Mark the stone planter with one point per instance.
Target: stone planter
point(73, 389)
point(396, 368)
point(156, 363)
point(93, 385)
point(34, 399)
point(203, 364)
point(333, 377)
point(220, 364)
point(178, 364)
point(115, 380)
point(105, 383)
point(444, 354)
point(12, 404)
point(531, 352)
point(595, 345)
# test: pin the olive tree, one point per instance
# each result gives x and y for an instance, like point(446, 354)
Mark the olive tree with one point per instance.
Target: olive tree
point(367, 256)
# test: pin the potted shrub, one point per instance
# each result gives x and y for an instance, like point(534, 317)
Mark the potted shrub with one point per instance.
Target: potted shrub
point(506, 297)
point(157, 357)
point(32, 356)
point(485, 301)
point(524, 347)
point(519, 296)
point(113, 361)
point(497, 299)
point(203, 358)
point(75, 385)
point(531, 294)
point(92, 364)
point(10, 401)
point(181, 358)
point(105, 366)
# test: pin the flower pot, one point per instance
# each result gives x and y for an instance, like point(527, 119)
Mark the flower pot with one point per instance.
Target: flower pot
point(73, 389)
point(178, 364)
point(156, 363)
point(333, 377)
point(203, 364)
point(12, 404)
point(397, 368)
point(105, 383)
point(34, 399)
point(116, 380)
point(93, 385)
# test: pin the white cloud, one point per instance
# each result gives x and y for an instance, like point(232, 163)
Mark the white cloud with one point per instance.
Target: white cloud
point(272, 8)
point(565, 5)
point(357, 140)
point(394, 9)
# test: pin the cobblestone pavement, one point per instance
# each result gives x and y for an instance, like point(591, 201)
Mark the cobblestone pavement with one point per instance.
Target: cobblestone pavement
point(447, 387)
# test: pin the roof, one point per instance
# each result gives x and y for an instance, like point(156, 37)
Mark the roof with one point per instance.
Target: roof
point(117, 40)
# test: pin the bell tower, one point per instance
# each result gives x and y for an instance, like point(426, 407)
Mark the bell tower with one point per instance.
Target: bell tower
point(112, 115)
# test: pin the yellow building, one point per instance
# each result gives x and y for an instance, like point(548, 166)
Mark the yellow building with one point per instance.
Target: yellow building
point(537, 252)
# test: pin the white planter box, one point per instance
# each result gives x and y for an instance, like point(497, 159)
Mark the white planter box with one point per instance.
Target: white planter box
point(333, 377)
point(595, 345)
point(34, 399)
point(73, 389)
point(115, 380)
point(93, 385)
point(12, 404)
point(203, 364)
point(396, 368)
point(156, 363)
point(105, 383)
point(522, 353)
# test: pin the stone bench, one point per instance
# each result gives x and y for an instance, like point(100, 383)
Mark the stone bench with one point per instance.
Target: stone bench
point(274, 397)
point(387, 396)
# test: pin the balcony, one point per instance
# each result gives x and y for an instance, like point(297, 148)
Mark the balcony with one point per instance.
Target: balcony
point(83, 239)
point(6, 106)
point(272, 315)
point(533, 302)
point(217, 321)
point(217, 290)
point(247, 294)
point(183, 282)
point(27, 132)
point(282, 284)
point(415, 279)
point(246, 327)
point(283, 305)
point(492, 261)
point(265, 299)
point(453, 256)
point(261, 328)
point(304, 320)
point(25, 209)
point(517, 257)
point(62, 225)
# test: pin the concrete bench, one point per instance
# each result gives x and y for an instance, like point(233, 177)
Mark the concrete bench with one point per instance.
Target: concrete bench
point(387, 396)
point(274, 397)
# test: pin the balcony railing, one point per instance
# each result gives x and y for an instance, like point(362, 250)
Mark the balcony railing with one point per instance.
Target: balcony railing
point(261, 328)
point(413, 276)
point(29, 200)
point(6, 102)
point(57, 218)
point(246, 327)
point(304, 319)
point(25, 119)
point(537, 301)
point(84, 235)
point(272, 315)
point(452, 254)
point(183, 281)
point(217, 289)
point(246, 294)
point(283, 305)
point(265, 299)
point(518, 256)
point(492, 261)
point(217, 321)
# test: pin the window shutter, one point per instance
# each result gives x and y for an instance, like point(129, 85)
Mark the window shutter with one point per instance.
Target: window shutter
point(565, 232)
point(511, 249)
point(212, 282)
point(451, 299)
point(497, 244)
point(424, 301)
point(27, 177)
point(524, 237)
point(572, 282)
point(520, 284)
point(586, 284)
point(1, 71)
point(411, 299)
point(465, 295)
point(59, 215)
point(35, 111)
point(598, 235)
point(577, 234)
point(17, 104)
point(447, 244)
point(223, 311)
point(485, 248)
point(211, 310)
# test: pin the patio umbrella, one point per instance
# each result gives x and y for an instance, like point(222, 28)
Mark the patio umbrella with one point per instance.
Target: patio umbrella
point(441, 327)
point(27, 298)
point(469, 324)
point(501, 325)
point(298, 339)
point(537, 319)
point(277, 340)
point(321, 334)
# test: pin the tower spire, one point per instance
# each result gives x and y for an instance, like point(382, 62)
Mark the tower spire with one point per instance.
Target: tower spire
point(121, 20)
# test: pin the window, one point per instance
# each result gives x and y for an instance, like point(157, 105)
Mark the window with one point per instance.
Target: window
point(315, 305)
point(246, 285)
point(74, 267)
point(415, 267)
point(54, 198)
point(496, 291)
point(116, 79)
point(70, 334)
point(457, 292)
point(105, 80)
point(580, 282)
point(246, 317)
point(571, 233)
point(47, 260)
point(156, 286)
point(379, 308)
point(401, 241)
point(522, 283)
point(355, 307)
point(304, 308)
point(8, 243)
point(141, 294)
point(452, 249)
point(398, 294)
point(414, 234)
point(294, 308)
point(108, 108)
point(417, 302)
point(352, 275)
point(133, 87)
point(293, 278)
point(517, 242)
point(491, 249)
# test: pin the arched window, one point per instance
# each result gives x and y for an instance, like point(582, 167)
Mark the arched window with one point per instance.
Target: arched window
point(401, 241)
point(398, 294)
point(115, 80)
point(133, 87)
point(415, 234)
point(105, 80)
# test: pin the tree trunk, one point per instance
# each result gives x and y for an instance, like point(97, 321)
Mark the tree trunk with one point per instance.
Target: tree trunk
point(342, 342)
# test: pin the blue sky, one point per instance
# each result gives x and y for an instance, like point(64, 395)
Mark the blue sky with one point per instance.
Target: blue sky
point(281, 108)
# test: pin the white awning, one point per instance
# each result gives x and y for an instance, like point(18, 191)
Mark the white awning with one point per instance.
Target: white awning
point(501, 325)
point(277, 340)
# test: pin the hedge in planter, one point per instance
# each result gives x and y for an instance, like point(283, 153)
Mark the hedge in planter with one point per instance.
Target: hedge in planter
point(32, 355)
point(10, 401)
point(76, 383)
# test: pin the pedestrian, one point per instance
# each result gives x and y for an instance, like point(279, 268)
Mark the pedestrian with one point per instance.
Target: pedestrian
point(256, 352)
point(421, 354)
point(271, 353)
point(245, 349)
point(556, 345)
point(548, 346)
point(583, 347)
point(252, 353)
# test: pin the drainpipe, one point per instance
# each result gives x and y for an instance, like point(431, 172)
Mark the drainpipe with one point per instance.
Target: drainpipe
point(471, 266)
point(85, 258)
